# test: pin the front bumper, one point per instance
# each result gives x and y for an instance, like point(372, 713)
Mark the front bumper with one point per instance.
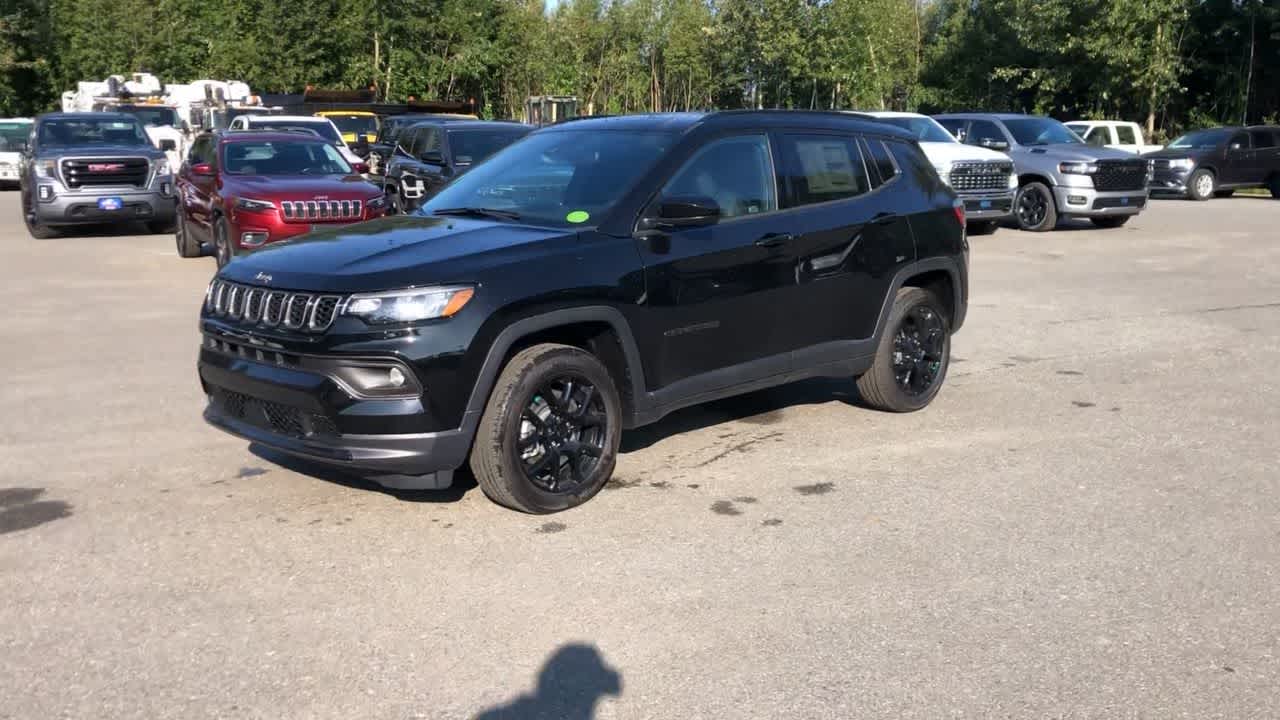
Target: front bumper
point(59, 206)
point(1088, 202)
point(274, 400)
point(1169, 181)
point(988, 206)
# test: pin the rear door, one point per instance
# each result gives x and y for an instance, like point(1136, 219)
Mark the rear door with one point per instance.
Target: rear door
point(1265, 158)
point(850, 232)
point(1127, 138)
point(714, 292)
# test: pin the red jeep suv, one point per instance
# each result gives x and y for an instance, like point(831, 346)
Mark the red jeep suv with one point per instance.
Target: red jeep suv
point(241, 190)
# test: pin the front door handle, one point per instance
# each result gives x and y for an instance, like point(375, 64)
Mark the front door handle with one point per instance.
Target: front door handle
point(774, 240)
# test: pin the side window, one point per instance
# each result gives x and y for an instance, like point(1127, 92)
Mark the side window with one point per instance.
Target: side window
point(821, 168)
point(955, 127)
point(735, 172)
point(1125, 135)
point(406, 139)
point(1241, 139)
point(1098, 137)
point(200, 150)
point(879, 158)
point(429, 138)
point(984, 133)
point(1262, 138)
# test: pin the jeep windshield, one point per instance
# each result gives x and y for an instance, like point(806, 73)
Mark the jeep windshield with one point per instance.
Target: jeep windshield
point(355, 124)
point(1041, 131)
point(324, 129)
point(282, 158)
point(1200, 140)
point(924, 129)
point(72, 132)
point(560, 178)
point(153, 116)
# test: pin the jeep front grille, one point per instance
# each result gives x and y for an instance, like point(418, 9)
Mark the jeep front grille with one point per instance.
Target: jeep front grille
point(248, 305)
point(968, 177)
point(105, 172)
point(322, 210)
point(1113, 175)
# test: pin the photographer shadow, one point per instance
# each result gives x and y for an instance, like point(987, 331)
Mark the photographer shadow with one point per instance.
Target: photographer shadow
point(570, 684)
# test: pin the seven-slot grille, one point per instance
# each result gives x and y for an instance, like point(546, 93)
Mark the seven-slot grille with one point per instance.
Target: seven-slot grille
point(102, 172)
point(977, 176)
point(1121, 175)
point(307, 312)
point(321, 210)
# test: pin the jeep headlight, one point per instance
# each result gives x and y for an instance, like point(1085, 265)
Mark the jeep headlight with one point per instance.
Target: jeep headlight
point(401, 306)
point(944, 172)
point(377, 203)
point(251, 205)
point(1077, 168)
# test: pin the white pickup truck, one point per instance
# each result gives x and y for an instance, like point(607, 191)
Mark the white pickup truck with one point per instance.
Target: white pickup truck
point(1115, 134)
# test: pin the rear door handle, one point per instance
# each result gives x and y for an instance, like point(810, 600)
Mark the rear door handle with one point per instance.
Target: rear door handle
point(774, 240)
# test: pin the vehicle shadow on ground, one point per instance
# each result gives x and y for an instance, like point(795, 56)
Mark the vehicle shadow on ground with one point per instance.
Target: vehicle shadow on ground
point(21, 510)
point(763, 407)
point(89, 232)
point(570, 684)
point(463, 480)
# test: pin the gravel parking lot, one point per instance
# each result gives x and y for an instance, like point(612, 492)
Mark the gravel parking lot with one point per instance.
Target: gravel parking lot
point(1085, 524)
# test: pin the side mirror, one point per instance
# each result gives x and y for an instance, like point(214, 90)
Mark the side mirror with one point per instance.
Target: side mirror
point(995, 145)
point(202, 169)
point(435, 157)
point(675, 213)
point(168, 145)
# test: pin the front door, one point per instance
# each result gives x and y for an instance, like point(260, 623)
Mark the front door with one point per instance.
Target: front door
point(196, 192)
point(713, 292)
point(1238, 167)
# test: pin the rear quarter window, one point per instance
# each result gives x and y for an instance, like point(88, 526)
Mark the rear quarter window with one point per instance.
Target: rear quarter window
point(913, 164)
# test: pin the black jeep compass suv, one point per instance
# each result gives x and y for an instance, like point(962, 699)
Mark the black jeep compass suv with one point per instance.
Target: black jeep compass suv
point(593, 277)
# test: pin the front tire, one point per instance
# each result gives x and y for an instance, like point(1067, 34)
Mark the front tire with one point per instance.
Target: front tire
point(982, 227)
point(1034, 208)
point(35, 228)
point(222, 249)
point(1201, 185)
point(548, 440)
point(913, 355)
point(1107, 223)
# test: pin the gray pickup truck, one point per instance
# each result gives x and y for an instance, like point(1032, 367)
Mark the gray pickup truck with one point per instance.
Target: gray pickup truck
point(84, 168)
point(1059, 176)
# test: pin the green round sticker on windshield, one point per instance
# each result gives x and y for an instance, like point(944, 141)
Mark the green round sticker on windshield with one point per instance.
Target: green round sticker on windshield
point(577, 216)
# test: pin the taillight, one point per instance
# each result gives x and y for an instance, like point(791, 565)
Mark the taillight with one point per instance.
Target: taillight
point(957, 206)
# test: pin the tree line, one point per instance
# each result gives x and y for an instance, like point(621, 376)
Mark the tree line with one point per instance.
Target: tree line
point(1172, 64)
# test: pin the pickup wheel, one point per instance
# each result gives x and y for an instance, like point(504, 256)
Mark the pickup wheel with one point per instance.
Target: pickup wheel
point(548, 440)
point(35, 228)
point(1201, 184)
point(1110, 222)
point(1034, 208)
point(222, 249)
point(188, 247)
point(982, 227)
point(913, 355)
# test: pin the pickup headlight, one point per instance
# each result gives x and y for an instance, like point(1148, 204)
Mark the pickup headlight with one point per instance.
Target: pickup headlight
point(251, 205)
point(162, 167)
point(377, 203)
point(1077, 168)
point(46, 168)
point(1183, 163)
point(944, 172)
point(401, 306)
point(1013, 181)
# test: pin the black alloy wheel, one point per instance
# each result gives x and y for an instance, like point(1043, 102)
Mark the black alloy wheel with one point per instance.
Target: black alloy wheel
point(1034, 208)
point(563, 430)
point(919, 348)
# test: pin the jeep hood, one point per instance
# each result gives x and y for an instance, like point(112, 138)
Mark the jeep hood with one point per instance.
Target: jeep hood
point(302, 187)
point(940, 153)
point(1077, 152)
point(393, 252)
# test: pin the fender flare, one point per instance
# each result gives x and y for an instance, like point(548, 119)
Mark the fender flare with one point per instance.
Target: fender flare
point(513, 333)
point(945, 264)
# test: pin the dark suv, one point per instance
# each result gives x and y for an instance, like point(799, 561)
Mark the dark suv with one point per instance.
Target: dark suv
point(1218, 161)
point(431, 153)
point(593, 277)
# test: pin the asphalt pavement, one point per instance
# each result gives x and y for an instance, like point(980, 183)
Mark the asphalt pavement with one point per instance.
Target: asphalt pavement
point(1085, 524)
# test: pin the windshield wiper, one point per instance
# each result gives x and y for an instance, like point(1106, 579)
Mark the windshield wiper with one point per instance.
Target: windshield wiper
point(478, 212)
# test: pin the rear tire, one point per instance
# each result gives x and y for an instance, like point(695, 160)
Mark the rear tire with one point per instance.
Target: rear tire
point(35, 228)
point(913, 355)
point(188, 247)
point(1034, 209)
point(982, 227)
point(1201, 185)
point(511, 452)
point(1107, 223)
